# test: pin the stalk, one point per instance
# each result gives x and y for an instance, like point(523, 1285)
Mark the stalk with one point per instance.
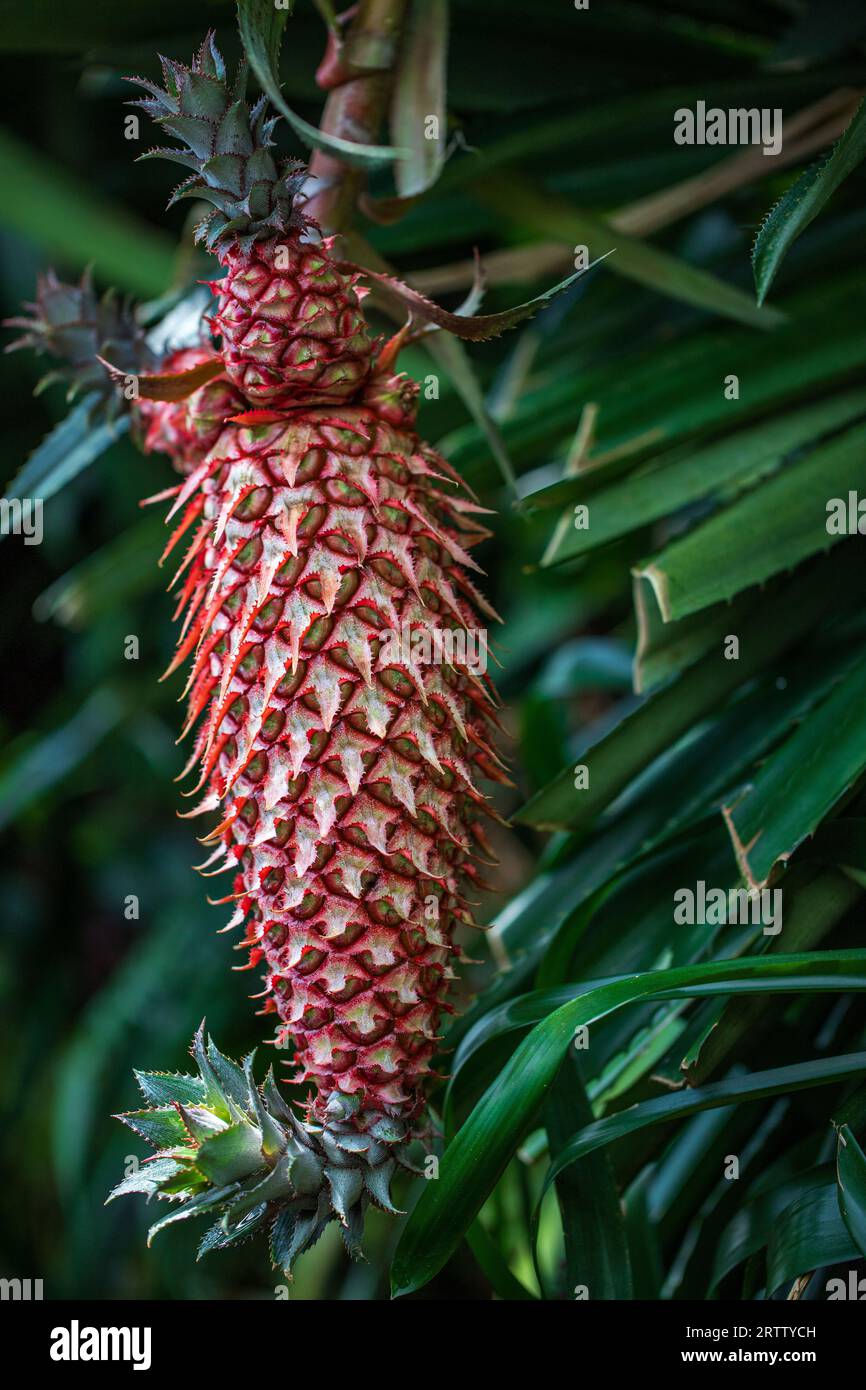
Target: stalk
point(359, 73)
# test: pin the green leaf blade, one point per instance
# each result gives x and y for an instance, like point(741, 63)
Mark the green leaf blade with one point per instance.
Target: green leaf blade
point(851, 1186)
point(803, 201)
point(479, 1154)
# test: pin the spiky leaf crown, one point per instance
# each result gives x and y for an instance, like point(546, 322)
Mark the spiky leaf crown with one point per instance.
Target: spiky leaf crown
point(228, 1148)
point(228, 146)
point(72, 325)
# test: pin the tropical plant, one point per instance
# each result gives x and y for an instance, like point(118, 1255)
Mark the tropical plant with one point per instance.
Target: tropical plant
point(651, 1084)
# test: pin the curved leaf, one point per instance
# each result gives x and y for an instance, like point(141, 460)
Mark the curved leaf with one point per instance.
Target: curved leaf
point(678, 1104)
point(809, 1235)
point(475, 1160)
point(709, 565)
point(475, 328)
point(419, 93)
point(774, 624)
point(261, 26)
point(750, 1230)
point(64, 453)
point(804, 200)
point(593, 1224)
point(636, 259)
point(851, 1185)
point(796, 788)
point(168, 386)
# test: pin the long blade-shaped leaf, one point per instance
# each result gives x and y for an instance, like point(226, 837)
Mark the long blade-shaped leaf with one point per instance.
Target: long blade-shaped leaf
point(261, 25)
point(678, 1104)
point(788, 510)
point(851, 1183)
point(635, 259)
point(64, 453)
point(418, 116)
point(804, 200)
point(718, 470)
point(596, 1247)
point(809, 1234)
point(475, 1160)
point(799, 784)
point(661, 720)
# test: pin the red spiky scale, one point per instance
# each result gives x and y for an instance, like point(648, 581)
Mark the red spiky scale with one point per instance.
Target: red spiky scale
point(291, 325)
point(343, 763)
point(186, 430)
point(338, 734)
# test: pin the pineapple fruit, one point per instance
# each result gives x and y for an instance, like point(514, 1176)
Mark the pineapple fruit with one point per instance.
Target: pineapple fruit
point(342, 768)
point(75, 329)
point(290, 319)
point(341, 718)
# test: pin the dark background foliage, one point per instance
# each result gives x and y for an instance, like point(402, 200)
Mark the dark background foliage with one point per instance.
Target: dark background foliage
point(548, 108)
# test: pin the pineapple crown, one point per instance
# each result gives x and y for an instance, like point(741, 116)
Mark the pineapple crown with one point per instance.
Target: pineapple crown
point(234, 1150)
point(228, 146)
point(71, 324)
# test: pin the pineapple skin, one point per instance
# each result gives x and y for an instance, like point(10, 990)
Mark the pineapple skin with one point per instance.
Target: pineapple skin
point(187, 429)
point(343, 769)
point(293, 332)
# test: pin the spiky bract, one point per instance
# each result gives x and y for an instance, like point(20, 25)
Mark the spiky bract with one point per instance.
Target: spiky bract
point(342, 762)
point(187, 429)
point(73, 326)
point(228, 1148)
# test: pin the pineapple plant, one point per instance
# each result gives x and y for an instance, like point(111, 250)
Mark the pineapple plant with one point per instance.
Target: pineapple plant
point(325, 561)
point(326, 566)
point(325, 570)
point(316, 523)
point(339, 778)
point(343, 767)
point(71, 326)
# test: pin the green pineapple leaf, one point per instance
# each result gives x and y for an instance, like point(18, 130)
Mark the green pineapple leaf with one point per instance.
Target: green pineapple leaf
point(164, 1087)
point(419, 94)
point(261, 27)
point(804, 200)
point(851, 1185)
point(217, 1238)
point(273, 1135)
point(196, 1206)
point(231, 1077)
point(234, 1153)
point(808, 1235)
point(71, 447)
point(163, 1128)
point(477, 1156)
point(147, 1179)
point(200, 1122)
point(795, 789)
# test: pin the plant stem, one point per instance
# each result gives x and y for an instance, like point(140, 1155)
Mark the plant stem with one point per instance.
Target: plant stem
point(359, 71)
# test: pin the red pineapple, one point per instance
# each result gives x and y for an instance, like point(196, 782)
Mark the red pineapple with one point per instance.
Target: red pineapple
point(292, 328)
point(290, 319)
point(345, 776)
point(187, 429)
point(325, 580)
